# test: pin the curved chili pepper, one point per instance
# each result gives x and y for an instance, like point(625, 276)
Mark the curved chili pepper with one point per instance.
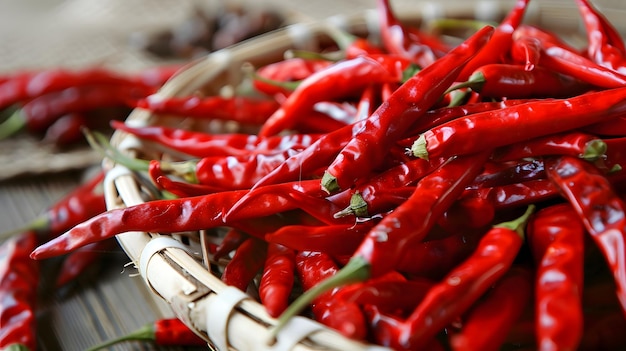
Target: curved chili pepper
point(80, 204)
point(245, 264)
point(163, 332)
point(240, 109)
point(347, 318)
point(501, 80)
point(497, 312)
point(19, 279)
point(177, 188)
point(601, 210)
point(340, 79)
point(526, 50)
point(277, 279)
point(399, 40)
point(230, 242)
point(517, 194)
point(605, 44)
point(519, 172)
point(293, 69)
point(556, 238)
point(464, 285)
point(500, 42)
point(177, 215)
point(579, 144)
point(66, 130)
point(389, 122)
point(322, 238)
point(518, 123)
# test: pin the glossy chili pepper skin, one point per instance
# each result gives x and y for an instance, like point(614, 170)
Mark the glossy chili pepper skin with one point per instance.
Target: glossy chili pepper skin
point(162, 332)
point(245, 264)
point(32, 84)
point(556, 238)
point(252, 111)
point(293, 69)
point(500, 42)
point(19, 280)
point(518, 123)
point(462, 287)
point(601, 210)
point(501, 308)
point(605, 44)
point(400, 40)
point(201, 144)
point(341, 79)
point(579, 144)
point(516, 82)
point(80, 204)
point(277, 280)
point(166, 216)
point(526, 50)
point(389, 122)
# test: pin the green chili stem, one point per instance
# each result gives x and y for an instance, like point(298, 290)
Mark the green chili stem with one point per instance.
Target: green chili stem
point(145, 333)
point(356, 270)
point(518, 224)
point(13, 124)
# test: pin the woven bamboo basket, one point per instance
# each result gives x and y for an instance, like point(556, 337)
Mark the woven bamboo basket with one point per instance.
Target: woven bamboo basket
point(175, 266)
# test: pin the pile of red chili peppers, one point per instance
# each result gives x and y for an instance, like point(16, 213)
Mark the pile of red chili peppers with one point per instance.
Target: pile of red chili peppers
point(423, 193)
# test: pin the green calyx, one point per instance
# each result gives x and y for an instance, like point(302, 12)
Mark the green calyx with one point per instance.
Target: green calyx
point(418, 149)
point(519, 223)
point(13, 124)
point(356, 270)
point(357, 207)
point(594, 149)
point(474, 82)
point(329, 183)
point(15, 347)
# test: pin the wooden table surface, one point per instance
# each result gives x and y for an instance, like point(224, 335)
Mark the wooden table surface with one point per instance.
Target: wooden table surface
point(112, 300)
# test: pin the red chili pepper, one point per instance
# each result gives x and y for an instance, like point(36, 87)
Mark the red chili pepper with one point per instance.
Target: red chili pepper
point(399, 40)
point(66, 130)
point(601, 210)
point(19, 280)
point(200, 144)
point(347, 318)
point(169, 216)
point(462, 287)
point(82, 203)
point(77, 262)
point(562, 58)
point(501, 80)
point(341, 79)
point(245, 264)
point(240, 109)
point(584, 145)
point(322, 238)
point(613, 127)
point(517, 194)
point(278, 278)
point(518, 123)
point(288, 70)
point(526, 50)
point(43, 110)
point(389, 122)
point(30, 85)
point(468, 212)
point(496, 313)
point(556, 238)
point(230, 242)
point(500, 42)
point(518, 172)
point(605, 44)
point(163, 332)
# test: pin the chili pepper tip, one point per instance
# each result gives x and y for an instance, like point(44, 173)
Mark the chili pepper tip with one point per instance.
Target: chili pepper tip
point(329, 183)
point(356, 270)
